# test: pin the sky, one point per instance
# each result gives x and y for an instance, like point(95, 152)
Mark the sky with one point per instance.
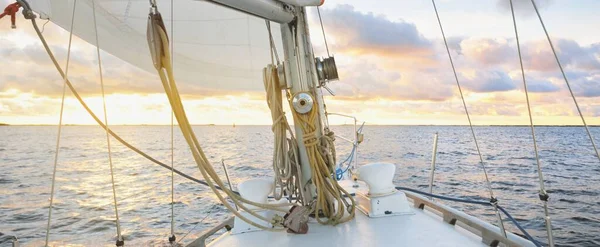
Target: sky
point(391, 58)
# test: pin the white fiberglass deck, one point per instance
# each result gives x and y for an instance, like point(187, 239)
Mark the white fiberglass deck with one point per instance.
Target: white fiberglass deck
point(420, 229)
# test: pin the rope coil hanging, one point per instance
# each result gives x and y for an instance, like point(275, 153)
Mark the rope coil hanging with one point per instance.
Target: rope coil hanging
point(158, 41)
point(286, 165)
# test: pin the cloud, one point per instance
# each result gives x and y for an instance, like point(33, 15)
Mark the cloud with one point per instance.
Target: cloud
point(488, 51)
point(487, 81)
point(523, 7)
point(586, 85)
point(540, 86)
point(359, 33)
point(366, 80)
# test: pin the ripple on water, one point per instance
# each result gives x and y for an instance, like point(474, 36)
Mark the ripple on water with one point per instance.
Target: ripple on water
point(143, 189)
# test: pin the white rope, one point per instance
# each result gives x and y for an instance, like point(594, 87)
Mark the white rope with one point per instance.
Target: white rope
point(566, 80)
point(542, 192)
point(208, 172)
point(172, 132)
point(112, 176)
point(462, 97)
point(62, 106)
point(286, 177)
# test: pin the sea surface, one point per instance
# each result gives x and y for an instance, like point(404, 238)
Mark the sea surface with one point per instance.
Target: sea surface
point(83, 213)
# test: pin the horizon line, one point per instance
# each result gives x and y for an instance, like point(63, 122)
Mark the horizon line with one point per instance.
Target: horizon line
point(481, 125)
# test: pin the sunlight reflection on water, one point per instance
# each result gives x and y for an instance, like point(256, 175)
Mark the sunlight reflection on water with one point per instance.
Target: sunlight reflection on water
point(83, 214)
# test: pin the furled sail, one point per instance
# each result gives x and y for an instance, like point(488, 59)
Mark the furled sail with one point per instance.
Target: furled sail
point(214, 47)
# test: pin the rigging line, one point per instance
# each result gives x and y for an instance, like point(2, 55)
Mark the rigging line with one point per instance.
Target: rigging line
point(249, 42)
point(112, 176)
point(462, 97)
point(62, 106)
point(542, 193)
point(272, 42)
point(100, 123)
point(172, 238)
point(199, 222)
point(44, 26)
point(323, 30)
point(214, 187)
point(464, 103)
point(562, 71)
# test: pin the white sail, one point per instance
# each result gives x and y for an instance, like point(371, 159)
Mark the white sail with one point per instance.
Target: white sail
point(215, 47)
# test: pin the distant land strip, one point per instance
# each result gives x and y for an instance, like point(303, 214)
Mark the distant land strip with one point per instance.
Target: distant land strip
point(382, 125)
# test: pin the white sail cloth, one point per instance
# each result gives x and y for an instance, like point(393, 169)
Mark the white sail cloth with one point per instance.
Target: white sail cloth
point(215, 47)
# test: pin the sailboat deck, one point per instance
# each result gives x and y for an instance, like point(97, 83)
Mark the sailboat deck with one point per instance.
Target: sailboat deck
point(419, 229)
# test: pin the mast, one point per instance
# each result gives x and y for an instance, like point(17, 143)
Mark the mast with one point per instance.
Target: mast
point(301, 75)
point(302, 81)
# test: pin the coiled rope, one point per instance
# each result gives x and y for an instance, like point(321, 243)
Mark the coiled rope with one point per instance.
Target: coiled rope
point(164, 69)
point(328, 190)
point(285, 157)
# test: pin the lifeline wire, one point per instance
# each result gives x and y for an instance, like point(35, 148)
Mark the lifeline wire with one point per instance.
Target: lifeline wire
point(543, 195)
point(62, 106)
point(527, 235)
point(462, 97)
point(566, 80)
point(112, 175)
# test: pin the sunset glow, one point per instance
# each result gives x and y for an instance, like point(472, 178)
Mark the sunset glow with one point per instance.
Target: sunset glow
point(392, 63)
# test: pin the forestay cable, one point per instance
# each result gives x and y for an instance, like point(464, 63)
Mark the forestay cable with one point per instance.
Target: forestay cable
point(62, 106)
point(542, 193)
point(172, 238)
point(462, 97)
point(562, 71)
point(120, 241)
point(323, 30)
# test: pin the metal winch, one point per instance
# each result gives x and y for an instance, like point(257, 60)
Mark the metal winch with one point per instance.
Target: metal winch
point(326, 69)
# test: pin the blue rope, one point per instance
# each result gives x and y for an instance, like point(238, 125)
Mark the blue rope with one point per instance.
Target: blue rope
point(339, 173)
point(527, 235)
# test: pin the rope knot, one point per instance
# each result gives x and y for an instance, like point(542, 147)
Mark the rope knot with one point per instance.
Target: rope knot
point(310, 139)
point(494, 201)
point(544, 196)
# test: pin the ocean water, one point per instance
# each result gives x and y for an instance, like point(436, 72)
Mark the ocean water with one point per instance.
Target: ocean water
point(83, 213)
